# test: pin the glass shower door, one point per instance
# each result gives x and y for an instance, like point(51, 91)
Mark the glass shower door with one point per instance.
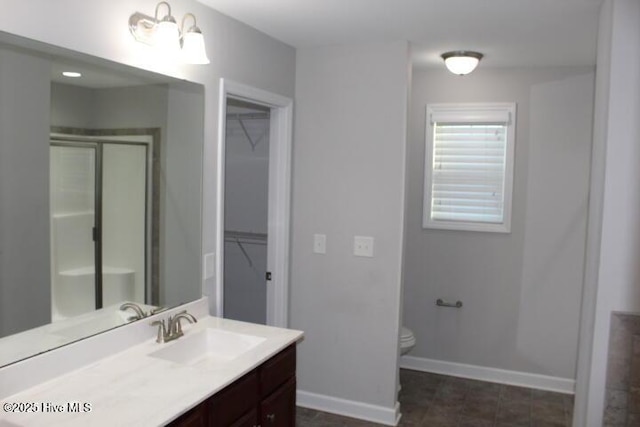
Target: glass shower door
point(124, 222)
point(73, 169)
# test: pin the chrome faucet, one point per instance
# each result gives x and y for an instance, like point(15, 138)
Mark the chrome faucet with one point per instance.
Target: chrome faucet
point(135, 307)
point(175, 327)
point(172, 330)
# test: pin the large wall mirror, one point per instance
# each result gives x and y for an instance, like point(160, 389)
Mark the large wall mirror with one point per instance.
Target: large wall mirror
point(100, 195)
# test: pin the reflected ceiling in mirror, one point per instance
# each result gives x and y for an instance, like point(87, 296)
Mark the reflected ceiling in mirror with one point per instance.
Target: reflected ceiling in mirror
point(100, 195)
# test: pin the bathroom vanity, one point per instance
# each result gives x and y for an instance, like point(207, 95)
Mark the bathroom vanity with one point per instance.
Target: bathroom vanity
point(220, 373)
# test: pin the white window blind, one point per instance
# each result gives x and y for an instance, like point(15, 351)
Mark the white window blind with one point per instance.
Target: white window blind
point(469, 167)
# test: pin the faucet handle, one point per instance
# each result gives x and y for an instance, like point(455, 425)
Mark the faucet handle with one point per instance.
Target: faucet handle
point(162, 330)
point(178, 331)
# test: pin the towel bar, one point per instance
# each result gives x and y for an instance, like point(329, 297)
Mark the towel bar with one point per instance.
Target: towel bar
point(441, 303)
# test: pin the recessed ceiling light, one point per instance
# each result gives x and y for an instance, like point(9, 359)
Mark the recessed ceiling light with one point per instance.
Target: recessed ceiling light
point(71, 74)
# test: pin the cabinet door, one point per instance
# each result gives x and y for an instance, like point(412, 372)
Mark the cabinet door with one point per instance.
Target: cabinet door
point(277, 371)
point(250, 419)
point(233, 403)
point(279, 409)
point(197, 417)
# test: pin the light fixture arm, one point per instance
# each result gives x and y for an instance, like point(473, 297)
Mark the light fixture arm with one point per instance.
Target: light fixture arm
point(193, 28)
point(168, 15)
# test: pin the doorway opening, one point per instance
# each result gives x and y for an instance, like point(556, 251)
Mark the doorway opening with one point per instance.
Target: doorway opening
point(254, 173)
point(246, 211)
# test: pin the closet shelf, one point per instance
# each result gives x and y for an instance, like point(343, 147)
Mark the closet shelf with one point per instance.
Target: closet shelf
point(245, 237)
point(240, 237)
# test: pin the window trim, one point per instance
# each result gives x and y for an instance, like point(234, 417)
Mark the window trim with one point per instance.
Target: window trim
point(470, 113)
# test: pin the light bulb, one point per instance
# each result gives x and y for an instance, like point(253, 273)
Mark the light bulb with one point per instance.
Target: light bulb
point(461, 62)
point(193, 49)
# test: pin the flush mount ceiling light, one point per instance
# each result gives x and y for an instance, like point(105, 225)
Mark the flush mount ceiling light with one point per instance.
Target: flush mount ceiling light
point(72, 74)
point(461, 62)
point(163, 34)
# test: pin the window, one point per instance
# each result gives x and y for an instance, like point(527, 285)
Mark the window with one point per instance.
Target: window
point(469, 166)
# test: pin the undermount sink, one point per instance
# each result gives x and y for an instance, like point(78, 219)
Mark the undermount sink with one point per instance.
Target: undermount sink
point(208, 346)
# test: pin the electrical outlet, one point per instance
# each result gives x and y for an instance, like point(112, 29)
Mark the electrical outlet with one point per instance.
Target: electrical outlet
point(320, 243)
point(363, 246)
point(209, 265)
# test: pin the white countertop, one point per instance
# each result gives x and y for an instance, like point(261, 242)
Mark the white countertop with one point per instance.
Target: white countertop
point(132, 388)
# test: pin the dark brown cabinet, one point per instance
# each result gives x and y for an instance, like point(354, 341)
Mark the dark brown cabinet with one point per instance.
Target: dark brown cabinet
point(265, 397)
point(279, 408)
point(197, 417)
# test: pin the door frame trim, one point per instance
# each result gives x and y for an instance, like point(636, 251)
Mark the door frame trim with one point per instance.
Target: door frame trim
point(280, 142)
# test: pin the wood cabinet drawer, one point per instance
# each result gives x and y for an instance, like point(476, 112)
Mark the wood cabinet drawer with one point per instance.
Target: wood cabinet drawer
point(234, 401)
point(249, 419)
point(279, 409)
point(277, 370)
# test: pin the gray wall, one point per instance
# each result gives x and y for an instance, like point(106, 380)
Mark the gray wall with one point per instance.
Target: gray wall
point(72, 106)
point(614, 251)
point(129, 107)
point(181, 176)
point(350, 136)
point(24, 192)
point(521, 291)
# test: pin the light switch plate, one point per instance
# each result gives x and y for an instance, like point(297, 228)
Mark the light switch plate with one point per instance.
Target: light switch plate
point(363, 246)
point(209, 265)
point(319, 243)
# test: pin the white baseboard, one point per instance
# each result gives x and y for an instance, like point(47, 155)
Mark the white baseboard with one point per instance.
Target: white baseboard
point(349, 408)
point(483, 373)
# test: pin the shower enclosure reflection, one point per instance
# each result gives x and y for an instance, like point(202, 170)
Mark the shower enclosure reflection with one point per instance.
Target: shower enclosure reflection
point(99, 217)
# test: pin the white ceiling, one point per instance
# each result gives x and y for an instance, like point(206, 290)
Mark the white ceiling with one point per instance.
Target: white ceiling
point(510, 33)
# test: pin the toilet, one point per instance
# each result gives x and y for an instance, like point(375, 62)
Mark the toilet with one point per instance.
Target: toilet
point(407, 341)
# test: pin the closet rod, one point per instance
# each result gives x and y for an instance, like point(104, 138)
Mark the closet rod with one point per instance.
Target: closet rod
point(245, 237)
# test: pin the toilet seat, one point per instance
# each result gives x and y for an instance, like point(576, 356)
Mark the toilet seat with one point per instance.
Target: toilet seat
point(407, 339)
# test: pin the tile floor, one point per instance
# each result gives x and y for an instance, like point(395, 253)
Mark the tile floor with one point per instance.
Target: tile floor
point(432, 400)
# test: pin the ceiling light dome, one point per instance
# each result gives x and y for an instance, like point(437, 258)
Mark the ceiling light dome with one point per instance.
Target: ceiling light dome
point(461, 62)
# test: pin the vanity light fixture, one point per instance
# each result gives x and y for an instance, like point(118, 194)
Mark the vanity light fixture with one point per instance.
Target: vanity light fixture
point(163, 34)
point(461, 62)
point(167, 34)
point(72, 74)
point(193, 43)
